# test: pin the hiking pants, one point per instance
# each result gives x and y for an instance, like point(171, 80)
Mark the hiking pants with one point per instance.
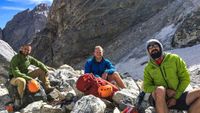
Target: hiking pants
point(21, 82)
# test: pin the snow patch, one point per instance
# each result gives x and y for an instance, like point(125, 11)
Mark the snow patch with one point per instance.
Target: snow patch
point(135, 67)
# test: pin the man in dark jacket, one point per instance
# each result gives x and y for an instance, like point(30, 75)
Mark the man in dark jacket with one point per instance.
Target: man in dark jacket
point(20, 74)
point(166, 78)
point(101, 67)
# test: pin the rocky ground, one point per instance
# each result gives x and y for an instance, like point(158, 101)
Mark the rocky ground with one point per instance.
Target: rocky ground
point(64, 79)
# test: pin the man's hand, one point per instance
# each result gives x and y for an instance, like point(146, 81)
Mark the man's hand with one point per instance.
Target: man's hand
point(104, 76)
point(171, 102)
point(170, 93)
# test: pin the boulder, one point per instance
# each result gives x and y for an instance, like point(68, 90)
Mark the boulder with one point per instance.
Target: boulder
point(33, 107)
point(50, 109)
point(188, 33)
point(89, 104)
point(5, 98)
point(6, 55)
point(125, 94)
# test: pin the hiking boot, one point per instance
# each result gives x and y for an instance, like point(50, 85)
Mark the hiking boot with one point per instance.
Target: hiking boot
point(49, 89)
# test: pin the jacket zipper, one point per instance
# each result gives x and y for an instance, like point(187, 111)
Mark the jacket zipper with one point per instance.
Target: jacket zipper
point(163, 75)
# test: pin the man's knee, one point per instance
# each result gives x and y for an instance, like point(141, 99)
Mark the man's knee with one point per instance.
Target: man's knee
point(160, 92)
point(21, 82)
point(41, 72)
point(115, 75)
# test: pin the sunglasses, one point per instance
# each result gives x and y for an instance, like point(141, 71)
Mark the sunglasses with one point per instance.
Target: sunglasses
point(153, 46)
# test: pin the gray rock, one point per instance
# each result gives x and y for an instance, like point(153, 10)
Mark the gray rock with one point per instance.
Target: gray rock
point(50, 109)
point(69, 107)
point(89, 104)
point(75, 27)
point(5, 98)
point(188, 34)
point(66, 67)
point(6, 51)
point(4, 111)
point(33, 107)
point(6, 55)
point(24, 26)
point(116, 110)
point(124, 94)
point(56, 95)
point(131, 84)
point(195, 76)
point(1, 34)
point(150, 110)
point(69, 95)
point(66, 73)
point(72, 82)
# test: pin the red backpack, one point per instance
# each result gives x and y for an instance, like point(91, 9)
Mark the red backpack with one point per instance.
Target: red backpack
point(89, 84)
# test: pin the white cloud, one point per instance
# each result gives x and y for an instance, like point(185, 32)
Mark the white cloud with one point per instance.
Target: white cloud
point(32, 1)
point(12, 8)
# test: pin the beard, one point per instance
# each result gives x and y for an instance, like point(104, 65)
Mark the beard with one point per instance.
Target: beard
point(24, 54)
point(156, 54)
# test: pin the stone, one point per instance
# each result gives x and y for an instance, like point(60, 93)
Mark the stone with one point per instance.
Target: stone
point(124, 94)
point(1, 34)
point(33, 107)
point(55, 95)
point(89, 104)
point(131, 84)
point(4, 111)
point(50, 109)
point(5, 98)
point(6, 55)
point(188, 33)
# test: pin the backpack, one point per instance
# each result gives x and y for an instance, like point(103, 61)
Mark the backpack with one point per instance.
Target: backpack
point(89, 84)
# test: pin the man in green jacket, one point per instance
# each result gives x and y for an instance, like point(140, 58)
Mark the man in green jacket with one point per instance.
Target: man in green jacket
point(20, 74)
point(166, 78)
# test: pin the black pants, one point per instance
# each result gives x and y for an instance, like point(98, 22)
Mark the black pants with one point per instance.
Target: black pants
point(180, 103)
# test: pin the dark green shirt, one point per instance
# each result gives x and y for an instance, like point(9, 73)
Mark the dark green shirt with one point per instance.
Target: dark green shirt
point(20, 63)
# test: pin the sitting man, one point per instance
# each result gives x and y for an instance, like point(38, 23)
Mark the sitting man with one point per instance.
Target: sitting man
point(166, 78)
point(19, 74)
point(101, 67)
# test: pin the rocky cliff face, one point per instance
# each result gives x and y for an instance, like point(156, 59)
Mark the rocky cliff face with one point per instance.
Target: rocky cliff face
point(23, 27)
point(1, 34)
point(6, 55)
point(76, 26)
point(188, 34)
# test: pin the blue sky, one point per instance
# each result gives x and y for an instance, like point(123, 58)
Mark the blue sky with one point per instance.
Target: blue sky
point(9, 8)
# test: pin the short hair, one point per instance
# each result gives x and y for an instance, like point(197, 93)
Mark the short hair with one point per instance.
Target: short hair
point(98, 47)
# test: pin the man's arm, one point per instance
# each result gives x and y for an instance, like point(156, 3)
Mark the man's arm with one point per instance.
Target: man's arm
point(37, 63)
point(15, 70)
point(88, 67)
point(183, 76)
point(110, 68)
point(149, 86)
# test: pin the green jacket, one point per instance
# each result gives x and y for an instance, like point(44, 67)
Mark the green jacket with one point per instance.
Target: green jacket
point(172, 74)
point(19, 66)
